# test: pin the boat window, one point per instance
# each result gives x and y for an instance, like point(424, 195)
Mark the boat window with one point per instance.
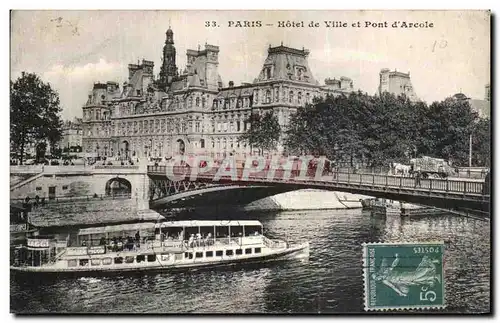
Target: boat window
point(106, 261)
point(209, 254)
point(239, 251)
point(178, 256)
point(129, 259)
point(190, 255)
point(222, 232)
point(72, 263)
point(151, 258)
point(248, 250)
point(95, 262)
point(229, 252)
point(257, 250)
point(236, 231)
point(84, 262)
point(199, 255)
point(218, 253)
point(140, 258)
point(253, 230)
point(165, 257)
point(118, 260)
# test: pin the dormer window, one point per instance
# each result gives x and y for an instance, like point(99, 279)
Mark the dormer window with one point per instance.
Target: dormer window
point(268, 73)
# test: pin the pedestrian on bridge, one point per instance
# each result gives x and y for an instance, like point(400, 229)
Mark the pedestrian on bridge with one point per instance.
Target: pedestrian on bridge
point(418, 176)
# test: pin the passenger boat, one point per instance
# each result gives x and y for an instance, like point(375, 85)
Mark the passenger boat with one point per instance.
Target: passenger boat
point(154, 246)
point(383, 207)
point(20, 227)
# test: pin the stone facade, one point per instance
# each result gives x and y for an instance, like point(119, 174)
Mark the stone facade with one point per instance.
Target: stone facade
point(396, 83)
point(71, 134)
point(191, 111)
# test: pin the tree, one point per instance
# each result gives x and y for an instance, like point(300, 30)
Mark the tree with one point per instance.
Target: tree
point(378, 130)
point(264, 133)
point(481, 143)
point(447, 129)
point(34, 113)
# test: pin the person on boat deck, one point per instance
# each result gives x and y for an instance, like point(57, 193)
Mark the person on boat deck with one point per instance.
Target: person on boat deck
point(209, 238)
point(130, 243)
point(119, 245)
point(84, 243)
point(191, 241)
point(112, 245)
point(137, 237)
point(102, 242)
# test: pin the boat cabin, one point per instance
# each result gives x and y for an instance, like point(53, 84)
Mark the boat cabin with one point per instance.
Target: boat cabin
point(173, 234)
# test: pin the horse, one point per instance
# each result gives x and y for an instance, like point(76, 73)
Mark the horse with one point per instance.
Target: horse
point(399, 169)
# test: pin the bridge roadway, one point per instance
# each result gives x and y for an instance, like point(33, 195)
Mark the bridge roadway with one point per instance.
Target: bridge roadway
point(463, 196)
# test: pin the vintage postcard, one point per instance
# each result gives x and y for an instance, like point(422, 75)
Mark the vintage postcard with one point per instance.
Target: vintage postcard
point(251, 161)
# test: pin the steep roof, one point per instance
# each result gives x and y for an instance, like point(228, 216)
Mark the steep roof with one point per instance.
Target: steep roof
point(284, 62)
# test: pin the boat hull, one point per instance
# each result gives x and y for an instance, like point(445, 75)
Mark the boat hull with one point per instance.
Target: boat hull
point(295, 252)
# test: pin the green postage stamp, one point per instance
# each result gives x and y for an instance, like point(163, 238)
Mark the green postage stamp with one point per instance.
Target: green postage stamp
point(403, 275)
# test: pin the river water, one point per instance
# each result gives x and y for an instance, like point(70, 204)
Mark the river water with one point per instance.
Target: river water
point(331, 281)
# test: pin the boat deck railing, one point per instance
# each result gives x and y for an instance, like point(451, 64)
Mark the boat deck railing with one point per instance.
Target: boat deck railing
point(274, 244)
point(175, 245)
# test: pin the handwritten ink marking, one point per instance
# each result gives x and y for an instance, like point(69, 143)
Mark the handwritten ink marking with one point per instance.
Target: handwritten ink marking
point(442, 44)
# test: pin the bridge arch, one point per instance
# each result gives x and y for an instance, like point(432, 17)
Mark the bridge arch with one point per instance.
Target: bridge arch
point(118, 186)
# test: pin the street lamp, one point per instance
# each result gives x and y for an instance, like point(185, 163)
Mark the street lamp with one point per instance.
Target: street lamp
point(470, 150)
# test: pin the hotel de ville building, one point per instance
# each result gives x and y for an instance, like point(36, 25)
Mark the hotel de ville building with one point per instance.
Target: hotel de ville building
point(190, 111)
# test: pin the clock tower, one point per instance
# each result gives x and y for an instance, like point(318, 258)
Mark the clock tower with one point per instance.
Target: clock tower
point(168, 71)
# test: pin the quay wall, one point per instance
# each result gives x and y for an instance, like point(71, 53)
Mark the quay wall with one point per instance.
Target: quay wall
point(307, 199)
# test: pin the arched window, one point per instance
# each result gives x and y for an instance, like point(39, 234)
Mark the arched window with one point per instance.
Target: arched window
point(268, 96)
point(214, 104)
point(290, 97)
point(203, 102)
point(239, 104)
point(197, 102)
point(308, 98)
point(190, 102)
point(299, 98)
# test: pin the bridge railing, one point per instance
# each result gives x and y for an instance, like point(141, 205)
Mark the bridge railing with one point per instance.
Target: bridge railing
point(366, 180)
point(78, 198)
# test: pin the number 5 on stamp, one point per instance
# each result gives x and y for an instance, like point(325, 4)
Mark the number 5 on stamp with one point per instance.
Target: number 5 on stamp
point(403, 275)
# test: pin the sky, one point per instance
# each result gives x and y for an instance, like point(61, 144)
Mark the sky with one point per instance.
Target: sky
point(73, 49)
